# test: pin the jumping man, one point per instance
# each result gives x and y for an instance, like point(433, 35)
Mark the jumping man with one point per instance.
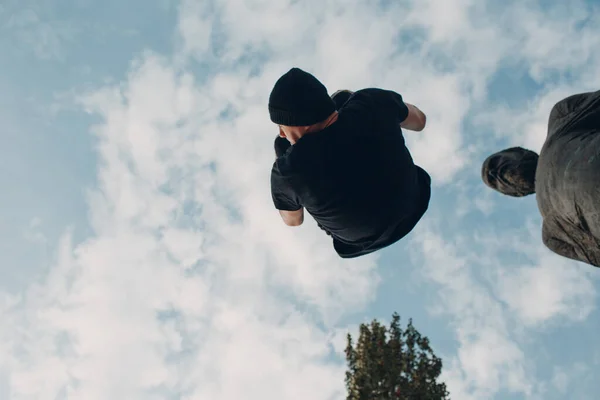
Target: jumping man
point(343, 158)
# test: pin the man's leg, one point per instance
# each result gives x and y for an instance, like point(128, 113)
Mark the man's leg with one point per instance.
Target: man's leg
point(341, 97)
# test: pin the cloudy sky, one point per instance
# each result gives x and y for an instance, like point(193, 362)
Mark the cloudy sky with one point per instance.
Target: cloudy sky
point(141, 257)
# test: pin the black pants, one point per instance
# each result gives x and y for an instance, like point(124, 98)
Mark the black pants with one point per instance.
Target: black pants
point(339, 98)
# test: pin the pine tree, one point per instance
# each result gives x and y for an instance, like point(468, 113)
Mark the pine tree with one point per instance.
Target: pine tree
point(392, 364)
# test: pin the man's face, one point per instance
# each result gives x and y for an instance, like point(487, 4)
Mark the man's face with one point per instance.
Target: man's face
point(291, 133)
point(281, 131)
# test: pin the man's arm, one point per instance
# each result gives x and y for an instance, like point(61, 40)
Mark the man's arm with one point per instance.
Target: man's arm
point(416, 119)
point(292, 218)
point(390, 103)
point(285, 199)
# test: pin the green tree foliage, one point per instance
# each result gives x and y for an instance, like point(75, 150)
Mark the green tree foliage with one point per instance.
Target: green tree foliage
point(391, 363)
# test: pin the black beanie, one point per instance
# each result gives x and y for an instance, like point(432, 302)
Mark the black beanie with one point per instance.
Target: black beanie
point(299, 99)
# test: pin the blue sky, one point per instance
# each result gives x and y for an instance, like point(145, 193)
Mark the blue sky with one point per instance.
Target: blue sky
point(141, 257)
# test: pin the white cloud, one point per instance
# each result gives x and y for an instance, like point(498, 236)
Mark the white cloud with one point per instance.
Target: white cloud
point(552, 287)
point(228, 280)
point(560, 380)
point(494, 305)
point(487, 357)
point(191, 282)
point(44, 36)
point(556, 47)
point(34, 234)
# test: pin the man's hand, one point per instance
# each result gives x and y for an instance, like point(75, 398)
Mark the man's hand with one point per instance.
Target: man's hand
point(281, 145)
point(293, 218)
point(415, 121)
